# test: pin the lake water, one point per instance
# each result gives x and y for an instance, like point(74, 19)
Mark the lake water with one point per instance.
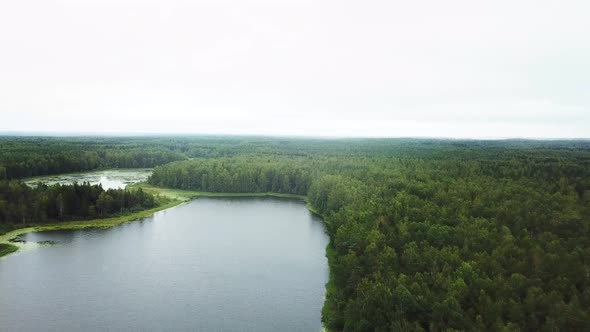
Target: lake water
point(209, 265)
point(109, 179)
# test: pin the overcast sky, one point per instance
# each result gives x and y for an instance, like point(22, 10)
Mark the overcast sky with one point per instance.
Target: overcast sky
point(316, 68)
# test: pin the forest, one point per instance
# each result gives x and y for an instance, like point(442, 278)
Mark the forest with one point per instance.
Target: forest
point(22, 205)
point(449, 236)
point(425, 234)
point(34, 156)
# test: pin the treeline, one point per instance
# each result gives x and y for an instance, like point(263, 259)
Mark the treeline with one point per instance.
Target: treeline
point(473, 253)
point(32, 156)
point(235, 175)
point(483, 238)
point(26, 157)
point(23, 205)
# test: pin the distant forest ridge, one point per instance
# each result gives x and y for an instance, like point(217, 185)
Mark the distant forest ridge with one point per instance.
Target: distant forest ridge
point(39, 155)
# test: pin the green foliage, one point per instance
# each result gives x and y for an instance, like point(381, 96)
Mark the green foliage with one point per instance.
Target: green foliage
point(33, 156)
point(449, 236)
point(441, 235)
point(7, 248)
point(22, 205)
point(235, 175)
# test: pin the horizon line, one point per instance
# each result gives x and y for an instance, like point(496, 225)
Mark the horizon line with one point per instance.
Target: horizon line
point(56, 134)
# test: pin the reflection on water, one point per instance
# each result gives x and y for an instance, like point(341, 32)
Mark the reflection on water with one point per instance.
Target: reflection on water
point(208, 265)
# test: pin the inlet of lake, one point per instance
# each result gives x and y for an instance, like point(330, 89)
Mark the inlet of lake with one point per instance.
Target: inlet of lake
point(212, 264)
point(108, 179)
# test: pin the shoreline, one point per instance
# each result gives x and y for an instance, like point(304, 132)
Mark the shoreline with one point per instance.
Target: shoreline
point(83, 224)
point(96, 170)
point(176, 196)
point(192, 194)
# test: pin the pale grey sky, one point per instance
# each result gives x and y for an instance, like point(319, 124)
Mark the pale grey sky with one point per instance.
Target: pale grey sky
point(518, 68)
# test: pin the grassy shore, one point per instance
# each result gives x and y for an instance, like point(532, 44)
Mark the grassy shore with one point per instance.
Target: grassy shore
point(7, 248)
point(82, 224)
point(175, 196)
point(190, 194)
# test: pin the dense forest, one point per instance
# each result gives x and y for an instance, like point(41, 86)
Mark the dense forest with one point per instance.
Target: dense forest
point(23, 205)
point(236, 175)
point(425, 234)
point(22, 157)
point(449, 236)
point(26, 157)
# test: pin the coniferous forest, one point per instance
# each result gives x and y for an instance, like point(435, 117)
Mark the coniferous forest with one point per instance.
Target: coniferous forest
point(433, 235)
point(22, 205)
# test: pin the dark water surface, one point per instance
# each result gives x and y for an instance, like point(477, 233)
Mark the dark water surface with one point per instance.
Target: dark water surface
point(208, 265)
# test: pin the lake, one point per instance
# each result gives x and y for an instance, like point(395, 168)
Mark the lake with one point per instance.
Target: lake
point(109, 179)
point(212, 264)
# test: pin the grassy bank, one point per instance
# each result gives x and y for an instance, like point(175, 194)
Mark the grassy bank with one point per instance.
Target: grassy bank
point(95, 223)
point(7, 248)
point(185, 195)
point(176, 197)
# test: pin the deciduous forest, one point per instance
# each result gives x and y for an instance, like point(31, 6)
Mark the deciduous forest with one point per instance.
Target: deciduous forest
point(436, 235)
